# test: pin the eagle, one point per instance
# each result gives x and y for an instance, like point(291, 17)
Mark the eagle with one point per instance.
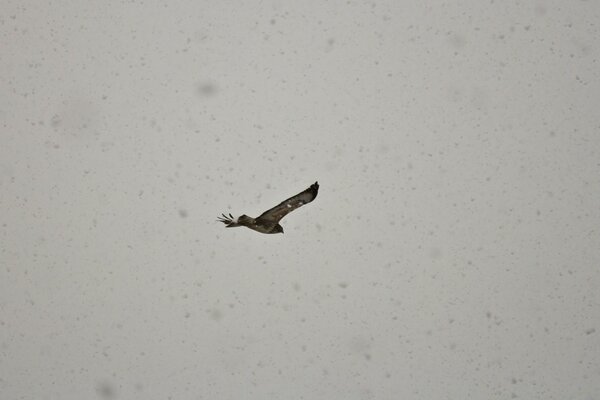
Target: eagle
point(268, 222)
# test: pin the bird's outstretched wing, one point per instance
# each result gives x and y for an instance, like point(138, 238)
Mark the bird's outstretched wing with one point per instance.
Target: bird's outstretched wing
point(228, 220)
point(275, 214)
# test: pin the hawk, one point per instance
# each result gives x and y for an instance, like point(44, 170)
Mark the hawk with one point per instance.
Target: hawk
point(268, 222)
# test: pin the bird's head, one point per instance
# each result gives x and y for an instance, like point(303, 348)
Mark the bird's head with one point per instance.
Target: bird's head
point(278, 229)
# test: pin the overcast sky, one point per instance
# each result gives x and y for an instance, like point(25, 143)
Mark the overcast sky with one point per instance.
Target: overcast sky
point(453, 251)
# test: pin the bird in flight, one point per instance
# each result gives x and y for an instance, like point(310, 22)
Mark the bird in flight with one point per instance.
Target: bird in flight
point(268, 222)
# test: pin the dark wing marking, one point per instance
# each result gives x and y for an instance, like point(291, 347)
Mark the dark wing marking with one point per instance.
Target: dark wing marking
point(227, 220)
point(275, 214)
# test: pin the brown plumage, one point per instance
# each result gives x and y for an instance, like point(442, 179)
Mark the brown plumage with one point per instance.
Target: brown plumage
point(268, 222)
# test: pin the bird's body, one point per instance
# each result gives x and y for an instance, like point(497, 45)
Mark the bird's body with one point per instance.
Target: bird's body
point(268, 222)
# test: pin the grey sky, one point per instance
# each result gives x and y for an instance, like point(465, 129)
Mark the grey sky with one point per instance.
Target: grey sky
point(452, 252)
